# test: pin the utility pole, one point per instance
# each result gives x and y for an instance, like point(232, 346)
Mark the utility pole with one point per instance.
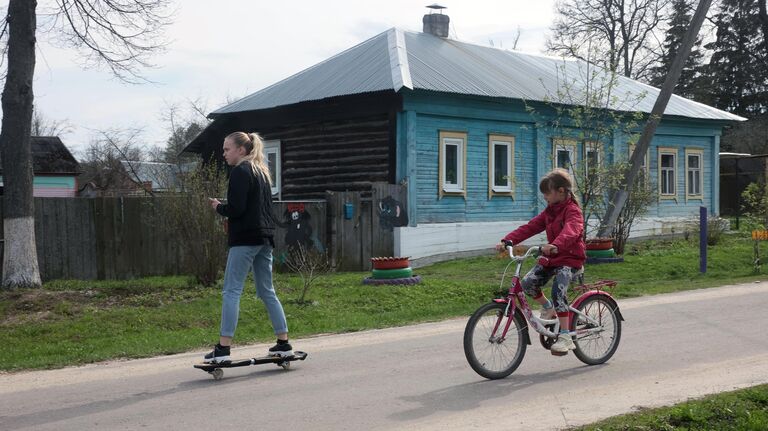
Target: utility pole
point(619, 196)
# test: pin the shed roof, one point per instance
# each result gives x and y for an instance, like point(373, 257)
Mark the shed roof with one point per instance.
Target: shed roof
point(51, 156)
point(397, 59)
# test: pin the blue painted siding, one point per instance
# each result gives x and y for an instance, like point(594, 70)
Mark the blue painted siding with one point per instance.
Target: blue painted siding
point(682, 207)
point(426, 114)
point(477, 206)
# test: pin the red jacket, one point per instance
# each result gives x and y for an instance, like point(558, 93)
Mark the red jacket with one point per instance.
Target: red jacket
point(564, 224)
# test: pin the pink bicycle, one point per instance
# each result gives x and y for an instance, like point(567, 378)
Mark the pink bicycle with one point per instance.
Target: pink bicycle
point(496, 335)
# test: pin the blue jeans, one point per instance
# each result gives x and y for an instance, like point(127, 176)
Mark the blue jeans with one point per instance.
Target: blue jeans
point(239, 262)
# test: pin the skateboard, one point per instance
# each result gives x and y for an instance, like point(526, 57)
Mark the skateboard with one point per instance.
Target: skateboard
point(281, 361)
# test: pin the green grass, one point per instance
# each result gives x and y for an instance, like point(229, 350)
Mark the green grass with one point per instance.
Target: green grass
point(742, 410)
point(75, 322)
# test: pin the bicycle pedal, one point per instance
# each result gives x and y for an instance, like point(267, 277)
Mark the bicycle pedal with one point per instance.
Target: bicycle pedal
point(558, 353)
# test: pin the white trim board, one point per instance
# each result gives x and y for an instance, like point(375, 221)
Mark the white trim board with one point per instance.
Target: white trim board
point(426, 240)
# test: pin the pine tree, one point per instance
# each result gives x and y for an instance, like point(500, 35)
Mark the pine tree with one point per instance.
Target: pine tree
point(736, 74)
point(678, 22)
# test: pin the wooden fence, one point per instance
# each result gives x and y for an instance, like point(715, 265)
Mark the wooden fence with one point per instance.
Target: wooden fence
point(361, 224)
point(118, 238)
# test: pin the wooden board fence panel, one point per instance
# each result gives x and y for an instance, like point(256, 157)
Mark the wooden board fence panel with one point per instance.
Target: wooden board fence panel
point(121, 237)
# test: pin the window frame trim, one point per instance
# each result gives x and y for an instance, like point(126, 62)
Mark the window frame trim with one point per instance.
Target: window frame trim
point(674, 152)
point(698, 152)
point(566, 143)
point(597, 147)
point(275, 145)
point(493, 189)
point(462, 160)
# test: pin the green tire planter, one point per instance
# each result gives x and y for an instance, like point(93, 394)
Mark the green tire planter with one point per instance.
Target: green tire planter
point(601, 253)
point(392, 273)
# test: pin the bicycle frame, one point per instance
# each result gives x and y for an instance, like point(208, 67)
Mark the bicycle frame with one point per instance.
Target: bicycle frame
point(540, 325)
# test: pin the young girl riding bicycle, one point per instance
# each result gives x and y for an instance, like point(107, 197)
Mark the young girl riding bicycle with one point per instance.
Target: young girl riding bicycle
point(565, 251)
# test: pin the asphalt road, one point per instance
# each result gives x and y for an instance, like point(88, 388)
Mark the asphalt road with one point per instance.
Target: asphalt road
point(673, 347)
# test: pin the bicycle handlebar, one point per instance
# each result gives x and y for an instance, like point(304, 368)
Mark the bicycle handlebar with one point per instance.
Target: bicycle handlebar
point(536, 251)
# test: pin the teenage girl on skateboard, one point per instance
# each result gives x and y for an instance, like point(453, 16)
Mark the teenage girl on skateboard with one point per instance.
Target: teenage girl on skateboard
point(251, 231)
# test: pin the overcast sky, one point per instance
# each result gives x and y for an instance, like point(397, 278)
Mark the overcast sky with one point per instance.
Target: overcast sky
point(227, 50)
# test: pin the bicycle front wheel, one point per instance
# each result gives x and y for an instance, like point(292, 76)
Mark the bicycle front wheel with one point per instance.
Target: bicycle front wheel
point(597, 342)
point(490, 355)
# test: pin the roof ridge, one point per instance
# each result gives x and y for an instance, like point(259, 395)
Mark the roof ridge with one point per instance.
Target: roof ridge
point(398, 59)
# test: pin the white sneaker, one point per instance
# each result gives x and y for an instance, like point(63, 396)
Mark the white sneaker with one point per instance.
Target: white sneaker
point(563, 344)
point(547, 313)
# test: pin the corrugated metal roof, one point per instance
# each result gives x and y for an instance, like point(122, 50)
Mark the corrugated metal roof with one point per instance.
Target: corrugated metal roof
point(399, 59)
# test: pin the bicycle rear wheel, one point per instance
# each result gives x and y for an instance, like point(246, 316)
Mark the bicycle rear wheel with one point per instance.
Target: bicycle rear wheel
point(486, 352)
point(597, 347)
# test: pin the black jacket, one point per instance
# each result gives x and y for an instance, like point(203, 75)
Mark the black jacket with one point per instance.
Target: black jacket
point(248, 207)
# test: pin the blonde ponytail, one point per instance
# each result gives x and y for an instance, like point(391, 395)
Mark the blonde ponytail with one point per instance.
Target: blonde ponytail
point(254, 152)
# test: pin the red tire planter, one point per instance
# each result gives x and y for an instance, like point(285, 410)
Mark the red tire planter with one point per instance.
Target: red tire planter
point(392, 273)
point(599, 243)
point(390, 262)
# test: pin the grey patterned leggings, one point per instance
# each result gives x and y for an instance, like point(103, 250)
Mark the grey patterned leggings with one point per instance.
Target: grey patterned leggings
point(538, 276)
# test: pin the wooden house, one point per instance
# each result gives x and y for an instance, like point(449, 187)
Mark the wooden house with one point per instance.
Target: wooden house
point(452, 122)
point(55, 169)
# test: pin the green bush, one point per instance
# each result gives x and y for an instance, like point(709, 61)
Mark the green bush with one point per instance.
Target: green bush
point(755, 206)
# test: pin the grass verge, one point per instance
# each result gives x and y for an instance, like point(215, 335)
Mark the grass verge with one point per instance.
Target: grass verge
point(75, 322)
point(742, 410)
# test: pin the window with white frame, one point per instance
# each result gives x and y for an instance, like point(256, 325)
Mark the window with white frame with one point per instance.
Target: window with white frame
point(693, 173)
point(667, 172)
point(564, 154)
point(592, 157)
point(452, 160)
point(501, 154)
point(272, 156)
point(643, 172)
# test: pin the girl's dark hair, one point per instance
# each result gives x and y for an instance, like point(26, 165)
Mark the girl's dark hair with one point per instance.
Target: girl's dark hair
point(555, 179)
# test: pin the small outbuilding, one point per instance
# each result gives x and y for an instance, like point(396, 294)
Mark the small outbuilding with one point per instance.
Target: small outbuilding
point(55, 168)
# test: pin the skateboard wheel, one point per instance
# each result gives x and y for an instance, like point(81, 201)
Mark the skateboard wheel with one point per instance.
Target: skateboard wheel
point(286, 365)
point(217, 374)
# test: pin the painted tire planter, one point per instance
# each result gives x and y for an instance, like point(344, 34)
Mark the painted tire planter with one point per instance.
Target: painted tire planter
point(392, 273)
point(601, 253)
point(596, 260)
point(392, 281)
point(390, 262)
point(599, 243)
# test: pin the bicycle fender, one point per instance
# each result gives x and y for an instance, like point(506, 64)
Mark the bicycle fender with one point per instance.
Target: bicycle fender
point(583, 297)
point(526, 337)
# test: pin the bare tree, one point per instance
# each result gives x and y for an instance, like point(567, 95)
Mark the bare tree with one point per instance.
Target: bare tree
point(621, 194)
point(624, 32)
point(111, 162)
point(43, 126)
point(309, 263)
point(117, 34)
point(20, 267)
point(185, 122)
point(515, 39)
